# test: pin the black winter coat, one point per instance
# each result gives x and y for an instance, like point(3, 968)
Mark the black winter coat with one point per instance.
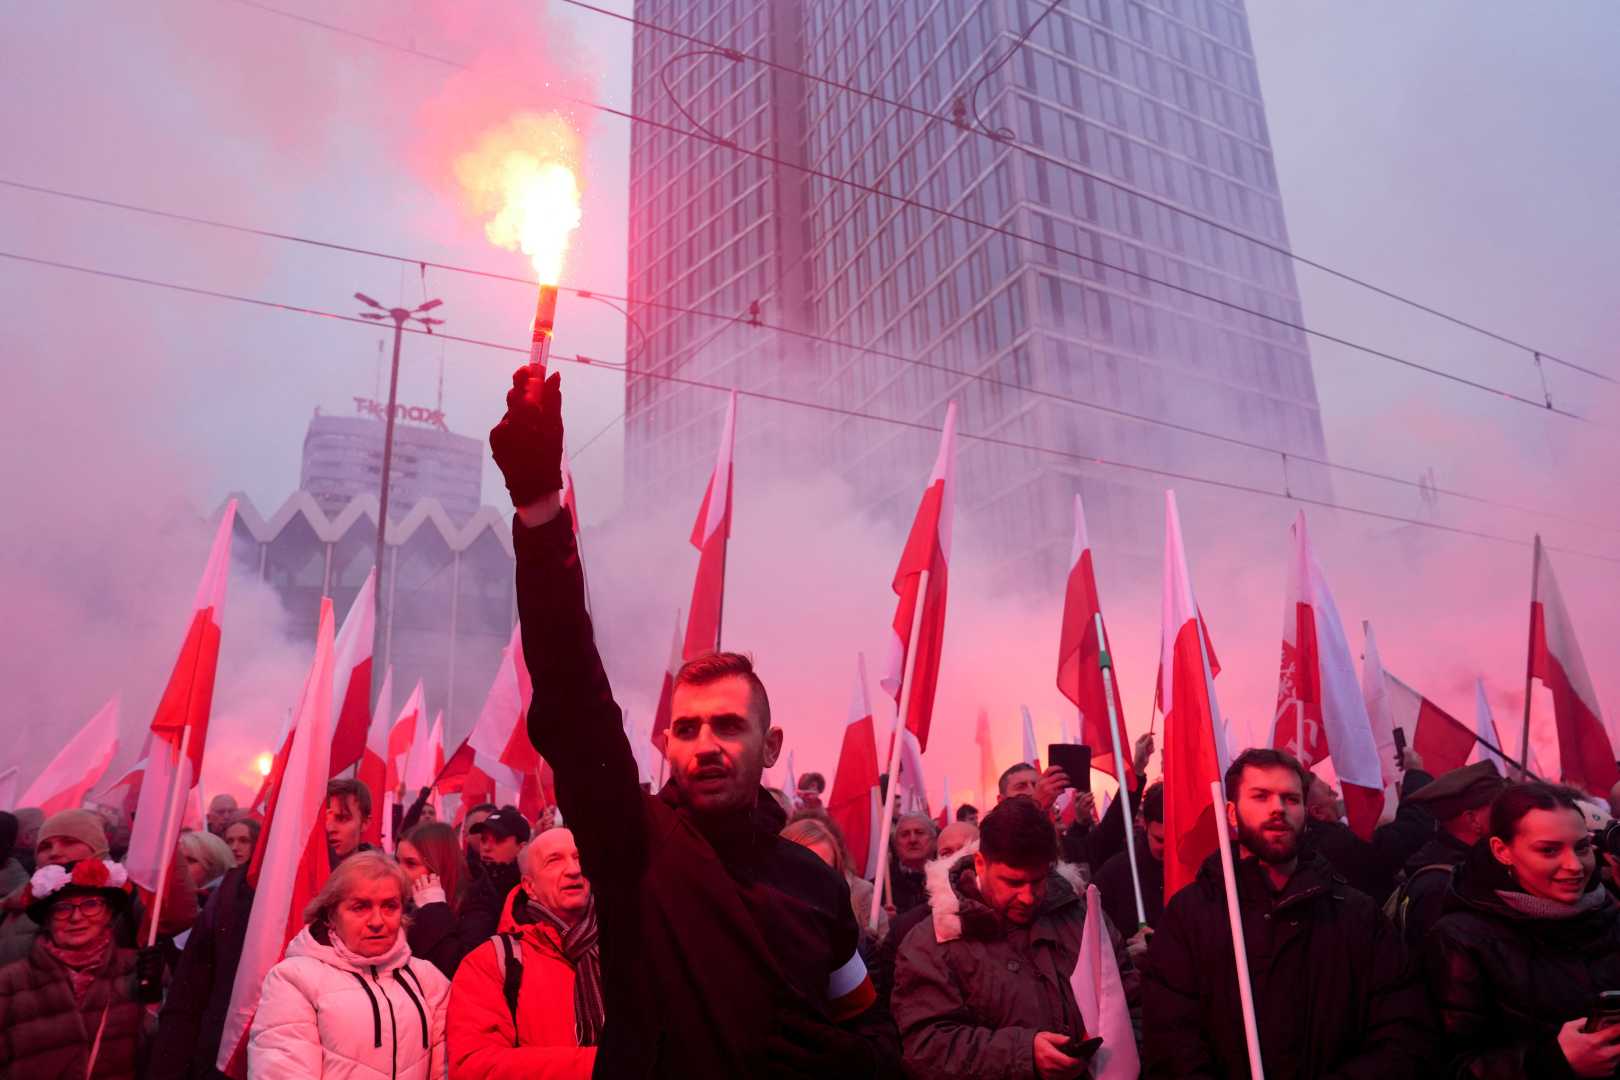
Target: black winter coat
point(713, 932)
point(1334, 995)
point(1504, 982)
point(1426, 887)
point(442, 938)
point(1113, 881)
point(193, 1017)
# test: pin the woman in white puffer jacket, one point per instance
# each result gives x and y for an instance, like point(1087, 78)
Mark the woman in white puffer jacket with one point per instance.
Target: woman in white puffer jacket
point(349, 1002)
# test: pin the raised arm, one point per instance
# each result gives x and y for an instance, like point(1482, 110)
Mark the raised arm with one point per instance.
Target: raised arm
point(573, 720)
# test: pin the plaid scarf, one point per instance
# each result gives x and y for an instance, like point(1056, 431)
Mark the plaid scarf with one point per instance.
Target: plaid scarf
point(83, 964)
point(579, 950)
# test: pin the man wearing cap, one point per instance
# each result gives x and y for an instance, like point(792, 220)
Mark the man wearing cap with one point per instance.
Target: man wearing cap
point(500, 837)
point(1460, 801)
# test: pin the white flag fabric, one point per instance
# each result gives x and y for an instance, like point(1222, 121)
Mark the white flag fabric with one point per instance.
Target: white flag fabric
point(1100, 995)
point(1485, 728)
point(1032, 755)
point(78, 767)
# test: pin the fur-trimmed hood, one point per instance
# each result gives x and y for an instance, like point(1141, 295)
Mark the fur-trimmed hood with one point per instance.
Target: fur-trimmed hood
point(957, 909)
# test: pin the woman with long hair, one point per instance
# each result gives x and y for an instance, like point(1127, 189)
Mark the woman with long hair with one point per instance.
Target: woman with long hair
point(826, 840)
point(1529, 940)
point(350, 1000)
point(431, 858)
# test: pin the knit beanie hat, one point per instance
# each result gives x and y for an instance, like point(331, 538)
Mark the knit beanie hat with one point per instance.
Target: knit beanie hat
point(84, 826)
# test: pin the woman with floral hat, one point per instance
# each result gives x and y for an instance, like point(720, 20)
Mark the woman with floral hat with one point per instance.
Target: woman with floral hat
point(68, 1009)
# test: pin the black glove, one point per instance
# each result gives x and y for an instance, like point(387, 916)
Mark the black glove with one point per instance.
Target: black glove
point(149, 975)
point(807, 1046)
point(528, 441)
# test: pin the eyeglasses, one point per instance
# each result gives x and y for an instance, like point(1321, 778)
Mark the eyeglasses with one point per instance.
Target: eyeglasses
point(89, 907)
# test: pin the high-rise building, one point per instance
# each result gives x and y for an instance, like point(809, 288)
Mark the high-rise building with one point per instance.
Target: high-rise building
point(343, 459)
point(1103, 180)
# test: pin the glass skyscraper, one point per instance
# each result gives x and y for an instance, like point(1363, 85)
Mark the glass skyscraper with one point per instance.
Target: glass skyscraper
point(1045, 326)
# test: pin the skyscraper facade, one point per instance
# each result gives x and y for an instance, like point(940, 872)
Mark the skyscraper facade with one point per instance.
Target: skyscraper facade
point(1089, 294)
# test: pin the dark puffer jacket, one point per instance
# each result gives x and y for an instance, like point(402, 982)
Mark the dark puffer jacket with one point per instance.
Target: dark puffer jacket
point(193, 1017)
point(44, 1032)
point(970, 995)
point(1505, 982)
point(1334, 995)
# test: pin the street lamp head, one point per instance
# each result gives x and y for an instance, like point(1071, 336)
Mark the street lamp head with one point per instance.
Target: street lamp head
point(366, 300)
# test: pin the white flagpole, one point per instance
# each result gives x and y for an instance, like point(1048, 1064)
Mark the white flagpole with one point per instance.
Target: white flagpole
point(887, 817)
point(1245, 992)
point(1106, 662)
point(171, 815)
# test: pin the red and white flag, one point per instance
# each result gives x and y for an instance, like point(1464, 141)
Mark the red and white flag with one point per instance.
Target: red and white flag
point(423, 762)
point(1079, 674)
point(501, 734)
point(372, 770)
point(1195, 748)
point(927, 552)
point(1375, 695)
point(1585, 750)
point(78, 767)
point(290, 863)
point(1100, 995)
point(666, 691)
point(1032, 752)
point(709, 535)
point(351, 679)
point(1320, 711)
point(1440, 739)
point(1485, 727)
point(401, 737)
point(180, 724)
point(855, 801)
point(988, 778)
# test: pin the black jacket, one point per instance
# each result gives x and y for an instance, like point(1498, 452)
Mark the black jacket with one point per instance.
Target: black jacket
point(1426, 887)
point(1113, 881)
point(1504, 982)
point(480, 917)
point(910, 887)
point(440, 936)
point(1090, 844)
point(1334, 995)
point(1359, 862)
point(193, 1017)
point(714, 933)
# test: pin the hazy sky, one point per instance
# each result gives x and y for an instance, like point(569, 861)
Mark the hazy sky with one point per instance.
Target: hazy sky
point(1458, 152)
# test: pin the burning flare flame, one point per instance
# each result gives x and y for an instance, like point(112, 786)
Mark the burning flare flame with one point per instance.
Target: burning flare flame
point(521, 177)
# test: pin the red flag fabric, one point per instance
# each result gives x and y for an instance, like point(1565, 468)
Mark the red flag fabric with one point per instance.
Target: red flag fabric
point(452, 778)
point(401, 736)
point(928, 547)
point(1585, 751)
point(1441, 740)
point(1194, 737)
point(1079, 676)
point(666, 691)
point(372, 771)
point(78, 767)
point(709, 535)
point(351, 681)
point(988, 778)
point(855, 798)
point(1320, 710)
point(181, 719)
point(290, 863)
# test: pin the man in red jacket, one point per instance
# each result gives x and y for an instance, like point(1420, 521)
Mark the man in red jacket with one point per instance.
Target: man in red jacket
point(726, 950)
point(528, 1002)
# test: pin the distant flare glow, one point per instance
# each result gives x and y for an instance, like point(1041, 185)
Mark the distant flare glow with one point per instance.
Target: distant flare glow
point(521, 177)
point(263, 763)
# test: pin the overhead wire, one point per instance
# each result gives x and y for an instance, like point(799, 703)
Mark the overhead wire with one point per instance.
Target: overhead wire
point(775, 159)
point(845, 86)
point(727, 319)
point(822, 407)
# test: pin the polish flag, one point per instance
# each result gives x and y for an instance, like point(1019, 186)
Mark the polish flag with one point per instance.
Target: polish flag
point(1585, 751)
point(1099, 993)
point(1375, 695)
point(351, 682)
point(988, 777)
point(1320, 711)
point(1079, 674)
point(401, 737)
point(290, 863)
point(928, 550)
point(666, 691)
point(78, 767)
point(180, 726)
point(372, 770)
point(1485, 726)
point(423, 762)
point(1440, 739)
point(709, 535)
point(855, 801)
point(500, 737)
point(1032, 753)
point(1195, 746)
point(791, 787)
point(126, 790)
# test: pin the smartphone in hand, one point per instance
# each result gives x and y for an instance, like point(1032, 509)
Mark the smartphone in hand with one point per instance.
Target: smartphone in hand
point(1075, 760)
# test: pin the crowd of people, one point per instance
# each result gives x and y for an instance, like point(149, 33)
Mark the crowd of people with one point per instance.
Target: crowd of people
point(716, 928)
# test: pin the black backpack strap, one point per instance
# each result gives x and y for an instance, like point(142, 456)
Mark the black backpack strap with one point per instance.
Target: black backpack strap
point(512, 977)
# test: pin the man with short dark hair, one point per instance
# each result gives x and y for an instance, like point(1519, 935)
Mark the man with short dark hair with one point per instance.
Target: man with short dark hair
point(1333, 992)
point(983, 988)
point(968, 814)
point(1461, 801)
point(1114, 879)
point(469, 840)
point(812, 785)
point(727, 951)
point(348, 808)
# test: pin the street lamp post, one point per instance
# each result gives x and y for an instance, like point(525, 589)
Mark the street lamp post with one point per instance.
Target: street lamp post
point(400, 317)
